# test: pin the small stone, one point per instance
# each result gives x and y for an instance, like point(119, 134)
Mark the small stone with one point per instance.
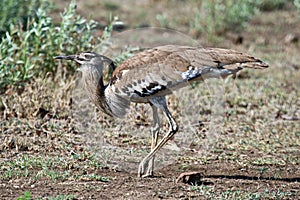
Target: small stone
point(235, 38)
point(189, 177)
point(119, 26)
point(291, 38)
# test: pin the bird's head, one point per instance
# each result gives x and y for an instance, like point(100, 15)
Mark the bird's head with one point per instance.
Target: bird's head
point(89, 61)
point(85, 58)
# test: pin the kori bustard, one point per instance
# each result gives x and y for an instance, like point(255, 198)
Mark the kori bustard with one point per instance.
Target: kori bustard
point(152, 74)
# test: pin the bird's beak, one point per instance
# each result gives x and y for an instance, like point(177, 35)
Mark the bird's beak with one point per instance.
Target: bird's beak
point(69, 57)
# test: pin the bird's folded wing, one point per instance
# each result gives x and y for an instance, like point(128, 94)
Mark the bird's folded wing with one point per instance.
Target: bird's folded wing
point(162, 69)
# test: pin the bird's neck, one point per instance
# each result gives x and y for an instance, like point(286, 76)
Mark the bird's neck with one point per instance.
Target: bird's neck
point(102, 95)
point(95, 88)
point(101, 99)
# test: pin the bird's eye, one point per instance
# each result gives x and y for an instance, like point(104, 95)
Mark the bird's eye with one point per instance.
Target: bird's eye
point(88, 56)
point(81, 58)
point(84, 57)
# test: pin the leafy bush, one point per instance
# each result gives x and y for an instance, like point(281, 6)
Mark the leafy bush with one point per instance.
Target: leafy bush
point(218, 16)
point(28, 53)
point(269, 5)
point(297, 4)
point(17, 12)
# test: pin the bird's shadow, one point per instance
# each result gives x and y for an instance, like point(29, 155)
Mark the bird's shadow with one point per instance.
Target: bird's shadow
point(244, 177)
point(192, 181)
point(239, 177)
point(197, 180)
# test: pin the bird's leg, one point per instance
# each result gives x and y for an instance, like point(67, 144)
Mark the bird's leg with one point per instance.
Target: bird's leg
point(173, 127)
point(154, 131)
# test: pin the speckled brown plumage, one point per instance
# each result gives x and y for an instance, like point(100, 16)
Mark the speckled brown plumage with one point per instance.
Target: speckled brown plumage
point(164, 66)
point(181, 57)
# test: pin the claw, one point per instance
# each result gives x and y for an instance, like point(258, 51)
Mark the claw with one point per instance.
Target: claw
point(141, 170)
point(145, 165)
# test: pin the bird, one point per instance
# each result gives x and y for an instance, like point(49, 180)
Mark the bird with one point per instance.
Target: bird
point(149, 76)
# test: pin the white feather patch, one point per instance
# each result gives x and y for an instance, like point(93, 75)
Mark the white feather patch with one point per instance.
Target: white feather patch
point(189, 74)
point(208, 72)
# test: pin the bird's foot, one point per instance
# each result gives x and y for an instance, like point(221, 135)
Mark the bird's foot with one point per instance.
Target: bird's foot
point(142, 168)
point(145, 170)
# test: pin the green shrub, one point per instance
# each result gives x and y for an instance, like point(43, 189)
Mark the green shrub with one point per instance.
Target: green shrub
point(29, 53)
point(219, 16)
point(269, 5)
point(17, 12)
point(297, 4)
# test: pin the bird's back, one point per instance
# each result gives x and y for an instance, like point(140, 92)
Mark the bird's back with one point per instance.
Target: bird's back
point(158, 71)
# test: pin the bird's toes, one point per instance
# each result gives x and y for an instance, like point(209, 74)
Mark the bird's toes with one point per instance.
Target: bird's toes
point(143, 174)
point(141, 170)
point(148, 174)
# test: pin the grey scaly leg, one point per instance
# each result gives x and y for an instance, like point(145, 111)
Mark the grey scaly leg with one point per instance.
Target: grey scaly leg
point(160, 103)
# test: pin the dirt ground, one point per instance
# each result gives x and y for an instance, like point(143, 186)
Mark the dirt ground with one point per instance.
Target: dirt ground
point(256, 154)
point(219, 175)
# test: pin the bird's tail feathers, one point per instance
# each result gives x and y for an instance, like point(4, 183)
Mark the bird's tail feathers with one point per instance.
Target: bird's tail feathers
point(254, 65)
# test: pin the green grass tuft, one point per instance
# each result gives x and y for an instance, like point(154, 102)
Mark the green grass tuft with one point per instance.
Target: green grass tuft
point(25, 196)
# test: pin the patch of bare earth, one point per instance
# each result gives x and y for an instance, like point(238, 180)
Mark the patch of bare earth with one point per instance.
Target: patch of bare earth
point(219, 175)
